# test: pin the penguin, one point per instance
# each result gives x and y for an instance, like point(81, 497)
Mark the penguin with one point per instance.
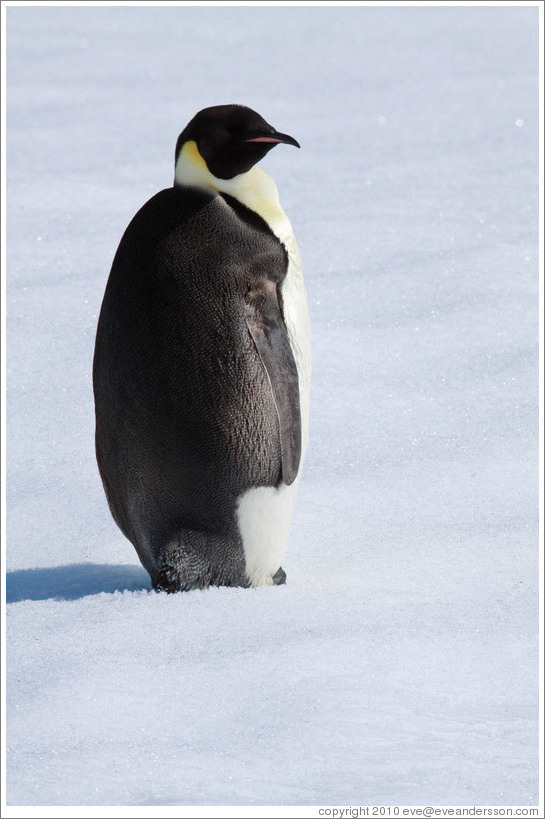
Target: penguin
point(202, 365)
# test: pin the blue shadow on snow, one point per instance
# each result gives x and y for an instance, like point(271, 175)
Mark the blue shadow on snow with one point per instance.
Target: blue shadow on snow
point(73, 582)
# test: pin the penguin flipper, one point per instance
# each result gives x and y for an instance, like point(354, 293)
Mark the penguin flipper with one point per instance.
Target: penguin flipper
point(268, 331)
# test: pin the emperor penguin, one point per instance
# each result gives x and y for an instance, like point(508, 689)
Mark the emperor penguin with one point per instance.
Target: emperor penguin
point(202, 363)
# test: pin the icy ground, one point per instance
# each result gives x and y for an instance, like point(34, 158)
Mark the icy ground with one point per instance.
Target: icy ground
point(399, 663)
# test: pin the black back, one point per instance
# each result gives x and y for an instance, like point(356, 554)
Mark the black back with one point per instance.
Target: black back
point(196, 390)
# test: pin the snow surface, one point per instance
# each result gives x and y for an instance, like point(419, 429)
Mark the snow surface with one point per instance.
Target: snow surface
point(399, 663)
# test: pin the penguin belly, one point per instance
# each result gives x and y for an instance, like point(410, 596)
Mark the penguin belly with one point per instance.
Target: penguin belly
point(198, 412)
point(264, 513)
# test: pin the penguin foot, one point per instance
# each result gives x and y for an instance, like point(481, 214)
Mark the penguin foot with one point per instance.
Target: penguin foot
point(280, 577)
point(171, 579)
point(276, 579)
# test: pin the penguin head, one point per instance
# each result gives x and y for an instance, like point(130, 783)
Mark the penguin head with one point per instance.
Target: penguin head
point(231, 139)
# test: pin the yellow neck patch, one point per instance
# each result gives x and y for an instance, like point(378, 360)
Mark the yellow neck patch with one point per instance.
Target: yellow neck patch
point(191, 169)
point(255, 188)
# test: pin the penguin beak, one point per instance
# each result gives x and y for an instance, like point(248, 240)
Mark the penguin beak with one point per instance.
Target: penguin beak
point(275, 138)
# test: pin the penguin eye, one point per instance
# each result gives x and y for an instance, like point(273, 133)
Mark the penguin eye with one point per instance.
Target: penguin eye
point(214, 141)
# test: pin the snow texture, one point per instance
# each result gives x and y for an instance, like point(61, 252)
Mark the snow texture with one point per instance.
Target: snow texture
point(399, 665)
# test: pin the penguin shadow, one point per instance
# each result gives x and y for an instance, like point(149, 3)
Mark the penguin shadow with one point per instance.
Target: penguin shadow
point(74, 581)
